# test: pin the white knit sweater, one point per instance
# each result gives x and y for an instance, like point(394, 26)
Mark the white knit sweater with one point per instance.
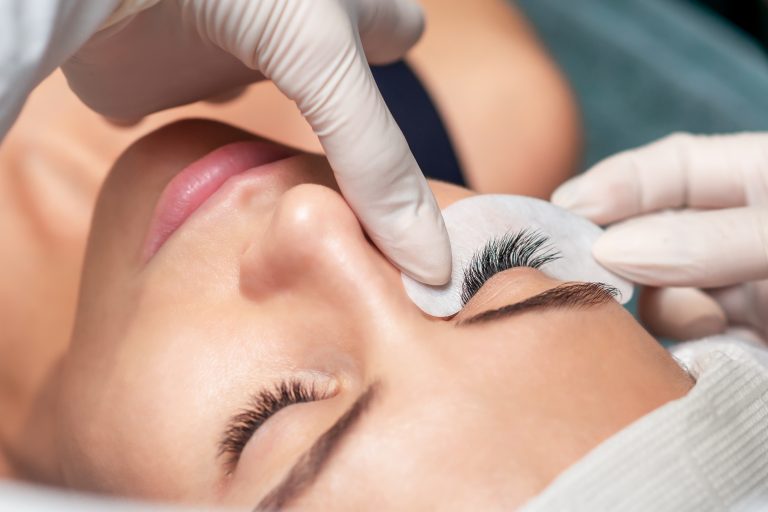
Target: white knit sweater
point(707, 451)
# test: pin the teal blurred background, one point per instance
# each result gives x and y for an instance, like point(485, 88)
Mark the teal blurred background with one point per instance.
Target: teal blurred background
point(644, 68)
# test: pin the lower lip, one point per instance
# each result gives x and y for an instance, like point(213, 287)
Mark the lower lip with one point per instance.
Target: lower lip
point(189, 189)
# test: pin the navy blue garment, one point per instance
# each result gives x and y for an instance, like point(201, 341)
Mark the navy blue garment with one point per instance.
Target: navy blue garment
point(420, 122)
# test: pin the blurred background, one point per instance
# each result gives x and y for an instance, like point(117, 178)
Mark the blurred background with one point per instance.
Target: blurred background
point(640, 70)
point(644, 68)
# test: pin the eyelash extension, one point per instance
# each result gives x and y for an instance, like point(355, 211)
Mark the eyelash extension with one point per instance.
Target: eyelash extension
point(525, 248)
point(263, 406)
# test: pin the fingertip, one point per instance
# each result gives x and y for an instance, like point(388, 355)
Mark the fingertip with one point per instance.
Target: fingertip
point(390, 29)
point(437, 275)
point(411, 18)
point(430, 263)
point(423, 251)
point(681, 313)
point(570, 195)
point(603, 194)
point(638, 249)
point(614, 249)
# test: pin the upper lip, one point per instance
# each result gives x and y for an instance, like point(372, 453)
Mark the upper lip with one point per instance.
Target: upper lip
point(191, 187)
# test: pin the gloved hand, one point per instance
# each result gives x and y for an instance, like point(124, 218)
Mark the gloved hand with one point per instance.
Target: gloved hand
point(689, 214)
point(36, 36)
point(174, 52)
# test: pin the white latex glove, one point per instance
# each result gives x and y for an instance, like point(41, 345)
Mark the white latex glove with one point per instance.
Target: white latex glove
point(36, 36)
point(178, 51)
point(690, 214)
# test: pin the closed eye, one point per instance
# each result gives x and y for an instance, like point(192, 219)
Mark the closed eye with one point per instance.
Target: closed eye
point(525, 248)
point(263, 405)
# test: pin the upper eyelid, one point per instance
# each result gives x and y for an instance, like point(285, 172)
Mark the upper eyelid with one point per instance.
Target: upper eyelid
point(527, 247)
point(262, 406)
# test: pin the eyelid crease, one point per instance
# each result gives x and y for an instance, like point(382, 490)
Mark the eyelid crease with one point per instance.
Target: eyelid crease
point(524, 248)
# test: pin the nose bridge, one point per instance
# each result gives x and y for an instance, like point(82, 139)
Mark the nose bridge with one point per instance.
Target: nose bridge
point(315, 248)
point(425, 358)
point(309, 235)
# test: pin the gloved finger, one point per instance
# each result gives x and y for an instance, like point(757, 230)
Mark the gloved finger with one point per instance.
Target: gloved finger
point(680, 313)
point(705, 249)
point(389, 29)
point(744, 304)
point(313, 56)
point(378, 175)
point(153, 60)
point(681, 170)
point(36, 37)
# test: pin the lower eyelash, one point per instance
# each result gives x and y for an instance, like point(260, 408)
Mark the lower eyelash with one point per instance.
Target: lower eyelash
point(525, 248)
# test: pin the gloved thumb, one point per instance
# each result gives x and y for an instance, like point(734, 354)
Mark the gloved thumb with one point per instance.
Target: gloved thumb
point(702, 249)
point(681, 314)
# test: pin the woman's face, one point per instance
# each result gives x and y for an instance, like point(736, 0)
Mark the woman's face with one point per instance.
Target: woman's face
point(267, 353)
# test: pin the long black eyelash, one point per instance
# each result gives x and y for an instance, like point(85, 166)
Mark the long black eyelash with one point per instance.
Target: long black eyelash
point(525, 248)
point(263, 405)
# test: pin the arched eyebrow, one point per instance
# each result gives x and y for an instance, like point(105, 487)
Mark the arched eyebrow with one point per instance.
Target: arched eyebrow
point(312, 462)
point(567, 295)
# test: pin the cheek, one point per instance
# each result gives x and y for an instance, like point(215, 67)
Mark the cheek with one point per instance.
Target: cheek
point(150, 409)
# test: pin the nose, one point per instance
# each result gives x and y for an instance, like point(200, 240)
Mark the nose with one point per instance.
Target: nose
point(314, 248)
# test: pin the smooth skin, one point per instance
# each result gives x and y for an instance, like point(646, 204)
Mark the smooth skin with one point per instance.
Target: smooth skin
point(56, 157)
point(274, 278)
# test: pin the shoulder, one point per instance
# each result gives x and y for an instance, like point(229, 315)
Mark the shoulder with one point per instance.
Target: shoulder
point(471, 60)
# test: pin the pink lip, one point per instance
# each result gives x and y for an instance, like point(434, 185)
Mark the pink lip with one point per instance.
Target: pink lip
point(189, 189)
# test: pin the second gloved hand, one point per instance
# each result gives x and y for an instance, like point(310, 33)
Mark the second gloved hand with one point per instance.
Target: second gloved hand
point(159, 54)
point(688, 215)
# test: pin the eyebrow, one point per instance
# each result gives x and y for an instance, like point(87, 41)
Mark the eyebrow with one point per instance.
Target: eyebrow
point(568, 295)
point(311, 463)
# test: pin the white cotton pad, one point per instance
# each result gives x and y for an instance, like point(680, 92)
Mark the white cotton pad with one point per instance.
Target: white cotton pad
point(475, 221)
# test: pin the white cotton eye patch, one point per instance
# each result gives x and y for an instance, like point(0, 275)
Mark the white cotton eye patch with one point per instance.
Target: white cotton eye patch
point(473, 222)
